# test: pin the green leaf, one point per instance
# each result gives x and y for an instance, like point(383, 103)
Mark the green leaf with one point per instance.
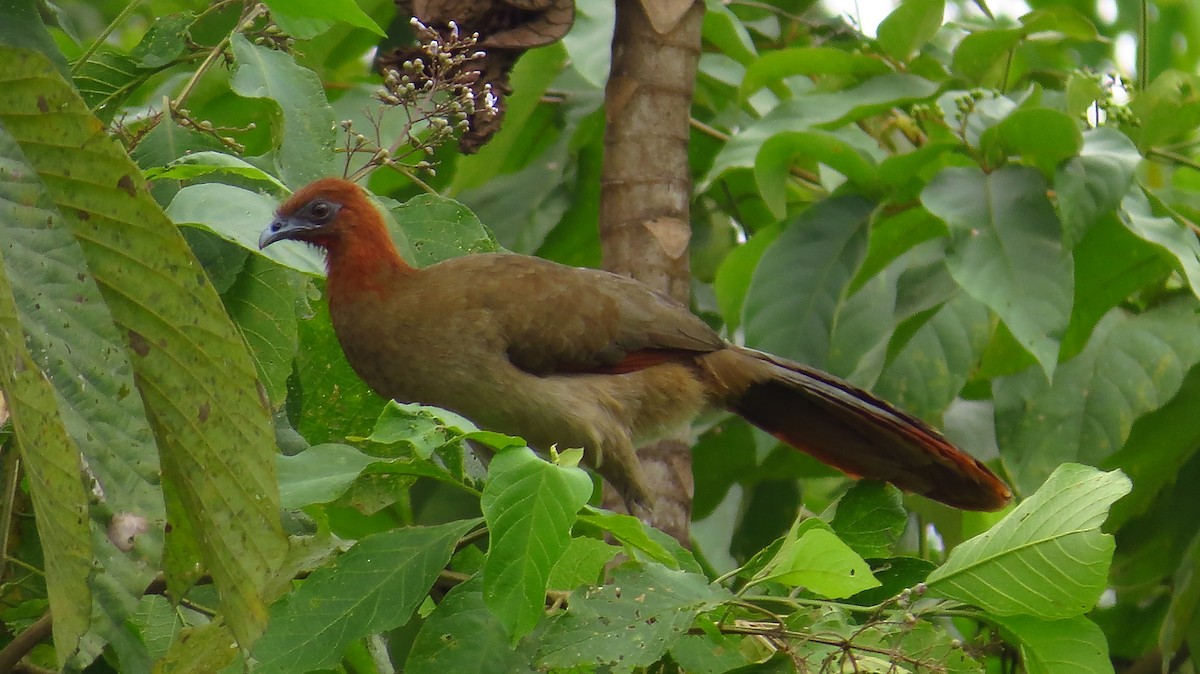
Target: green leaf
point(814, 558)
point(1067, 646)
point(589, 42)
point(1111, 265)
point(630, 532)
point(438, 229)
point(1043, 137)
point(723, 29)
point(23, 28)
point(982, 55)
point(309, 18)
point(239, 215)
point(422, 429)
point(197, 164)
point(1005, 244)
point(319, 474)
point(800, 283)
point(463, 635)
point(735, 273)
point(196, 379)
point(1060, 20)
point(165, 41)
point(929, 372)
point(69, 332)
point(630, 622)
point(530, 506)
point(777, 65)
point(334, 403)
point(909, 26)
point(158, 622)
point(1130, 366)
point(1169, 235)
point(262, 304)
point(825, 110)
point(1182, 613)
point(869, 518)
point(1091, 185)
point(582, 563)
point(51, 463)
point(710, 653)
point(774, 160)
point(1167, 109)
point(375, 587)
point(1159, 447)
point(1052, 541)
point(306, 138)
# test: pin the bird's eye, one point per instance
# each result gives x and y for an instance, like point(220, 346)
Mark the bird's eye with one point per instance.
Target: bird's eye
point(321, 209)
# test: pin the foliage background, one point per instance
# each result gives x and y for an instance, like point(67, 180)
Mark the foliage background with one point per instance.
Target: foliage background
point(975, 218)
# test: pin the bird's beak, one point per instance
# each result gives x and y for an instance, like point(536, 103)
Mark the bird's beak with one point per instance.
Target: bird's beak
point(285, 227)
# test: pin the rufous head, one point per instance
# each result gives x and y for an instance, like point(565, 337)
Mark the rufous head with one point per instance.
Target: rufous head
point(323, 213)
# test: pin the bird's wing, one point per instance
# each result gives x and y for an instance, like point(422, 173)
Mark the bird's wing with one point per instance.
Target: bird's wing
point(562, 319)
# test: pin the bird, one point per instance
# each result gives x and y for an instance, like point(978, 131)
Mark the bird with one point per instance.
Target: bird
point(573, 357)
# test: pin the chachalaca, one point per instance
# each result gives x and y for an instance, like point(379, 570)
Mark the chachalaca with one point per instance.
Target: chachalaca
point(584, 358)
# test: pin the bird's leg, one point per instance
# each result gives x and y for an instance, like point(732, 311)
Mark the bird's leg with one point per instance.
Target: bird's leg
point(619, 465)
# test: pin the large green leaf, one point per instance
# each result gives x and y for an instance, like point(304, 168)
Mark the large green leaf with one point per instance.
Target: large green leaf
point(262, 304)
point(814, 558)
point(909, 26)
point(1065, 646)
point(780, 64)
point(438, 228)
point(191, 367)
point(374, 587)
point(306, 138)
point(1040, 136)
point(69, 332)
point(825, 110)
point(463, 635)
point(308, 18)
point(52, 465)
point(319, 474)
point(928, 373)
point(800, 283)
point(530, 506)
point(1051, 542)
point(1183, 613)
point(1091, 185)
point(774, 160)
point(1111, 265)
point(869, 518)
point(1130, 366)
point(239, 215)
point(1006, 244)
point(629, 623)
point(1169, 235)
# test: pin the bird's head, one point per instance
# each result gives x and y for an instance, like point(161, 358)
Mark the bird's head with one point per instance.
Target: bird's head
point(325, 213)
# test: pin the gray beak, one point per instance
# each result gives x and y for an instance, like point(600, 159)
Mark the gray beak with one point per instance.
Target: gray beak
point(283, 227)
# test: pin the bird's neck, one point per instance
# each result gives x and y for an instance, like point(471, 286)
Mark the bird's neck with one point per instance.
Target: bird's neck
point(364, 264)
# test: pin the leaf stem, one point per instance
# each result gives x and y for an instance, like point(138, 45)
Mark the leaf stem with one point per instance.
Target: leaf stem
point(87, 54)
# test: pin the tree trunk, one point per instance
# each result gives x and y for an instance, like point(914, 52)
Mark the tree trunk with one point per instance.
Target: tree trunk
point(645, 192)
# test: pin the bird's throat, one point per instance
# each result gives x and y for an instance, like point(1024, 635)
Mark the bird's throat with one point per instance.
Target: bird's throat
point(365, 263)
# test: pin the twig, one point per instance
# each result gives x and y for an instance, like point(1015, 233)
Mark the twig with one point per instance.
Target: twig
point(19, 647)
point(12, 477)
point(216, 53)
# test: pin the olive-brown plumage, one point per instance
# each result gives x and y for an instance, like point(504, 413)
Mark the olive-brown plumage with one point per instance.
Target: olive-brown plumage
point(583, 358)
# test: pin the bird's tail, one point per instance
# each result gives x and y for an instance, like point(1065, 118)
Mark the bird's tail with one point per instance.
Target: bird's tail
point(850, 429)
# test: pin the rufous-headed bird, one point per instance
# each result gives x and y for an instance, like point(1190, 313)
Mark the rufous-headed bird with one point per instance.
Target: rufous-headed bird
point(584, 358)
